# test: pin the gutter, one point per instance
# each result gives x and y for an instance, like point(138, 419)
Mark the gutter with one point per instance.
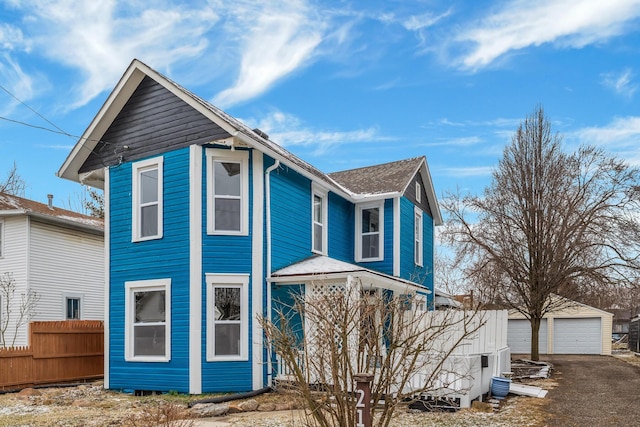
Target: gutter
point(267, 202)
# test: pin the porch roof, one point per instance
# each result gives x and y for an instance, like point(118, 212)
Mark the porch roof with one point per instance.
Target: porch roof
point(320, 267)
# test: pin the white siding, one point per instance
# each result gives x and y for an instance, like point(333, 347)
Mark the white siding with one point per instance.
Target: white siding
point(14, 261)
point(65, 261)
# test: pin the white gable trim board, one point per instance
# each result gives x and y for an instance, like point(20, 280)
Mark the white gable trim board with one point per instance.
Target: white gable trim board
point(578, 329)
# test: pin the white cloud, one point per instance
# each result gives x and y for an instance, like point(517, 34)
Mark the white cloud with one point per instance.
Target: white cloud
point(621, 83)
point(281, 39)
point(463, 172)
point(620, 132)
point(288, 131)
point(101, 37)
point(16, 81)
point(465, 141)
point(425, 20)
point(621, 137)
point(567, 23)
point(12, 38)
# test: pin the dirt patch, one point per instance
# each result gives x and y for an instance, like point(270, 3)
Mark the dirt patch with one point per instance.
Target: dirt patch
point(90, 405)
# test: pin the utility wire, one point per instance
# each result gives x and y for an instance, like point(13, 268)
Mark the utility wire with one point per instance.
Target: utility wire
point(34, 111)
point(57, 129)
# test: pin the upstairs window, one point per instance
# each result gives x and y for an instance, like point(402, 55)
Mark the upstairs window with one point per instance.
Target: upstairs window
point(369, 232)
point(228, 192)
point(147, 199)
point(1, 239)
point(418, 192)
point(418, 237)
point(319, 221)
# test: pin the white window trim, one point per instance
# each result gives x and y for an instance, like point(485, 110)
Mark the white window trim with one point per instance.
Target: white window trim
point(358, 233)
point(418, 237)
point(228, 280)
point(68, 295)
point(2, 234)
point(138, 167)
point(146, 286)
point(323, 194)
point(241, 156)
point(418, 192)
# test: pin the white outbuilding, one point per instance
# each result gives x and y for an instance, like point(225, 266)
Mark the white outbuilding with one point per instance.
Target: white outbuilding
point(574, 329)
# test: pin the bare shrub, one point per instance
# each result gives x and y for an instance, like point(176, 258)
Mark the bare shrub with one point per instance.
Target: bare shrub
point(349, 330)
point(160, 414)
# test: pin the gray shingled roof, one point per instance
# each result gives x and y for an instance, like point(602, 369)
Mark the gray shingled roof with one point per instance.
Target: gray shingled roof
point(379, 179)
point(12, 205)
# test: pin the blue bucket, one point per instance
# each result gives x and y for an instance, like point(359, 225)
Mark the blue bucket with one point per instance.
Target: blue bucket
point(500, 387)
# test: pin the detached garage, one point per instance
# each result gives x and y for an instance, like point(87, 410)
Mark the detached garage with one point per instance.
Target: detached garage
point(576, 329)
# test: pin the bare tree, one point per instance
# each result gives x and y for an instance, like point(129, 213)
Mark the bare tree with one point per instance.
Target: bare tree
point(14, 312)
point(13, 184)
point(94, 204)
point(550, 223)
point(349, 331)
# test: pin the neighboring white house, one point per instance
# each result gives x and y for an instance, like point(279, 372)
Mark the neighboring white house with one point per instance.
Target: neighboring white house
point(575, 329)
point(55, 252)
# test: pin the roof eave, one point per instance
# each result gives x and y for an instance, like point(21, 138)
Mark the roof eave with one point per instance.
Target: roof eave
point(103, 119)
point(94, 229)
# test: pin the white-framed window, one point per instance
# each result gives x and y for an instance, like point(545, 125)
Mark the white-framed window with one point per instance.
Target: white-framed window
point(227, 192)
point(418, 247)
point(72, 306)
point(370, 231)
point(147, 199)
point(148, 320)
point(227, 317)
point(319, 220)
point(1, 238)
point(418, 192)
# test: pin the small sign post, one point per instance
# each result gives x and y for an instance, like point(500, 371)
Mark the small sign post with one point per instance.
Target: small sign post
point(363, 399)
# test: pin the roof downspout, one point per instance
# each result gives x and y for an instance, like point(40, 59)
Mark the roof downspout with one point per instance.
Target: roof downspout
point(267, 202)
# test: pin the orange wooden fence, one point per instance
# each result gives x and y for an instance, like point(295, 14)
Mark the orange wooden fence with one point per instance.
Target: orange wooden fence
point(62, 351)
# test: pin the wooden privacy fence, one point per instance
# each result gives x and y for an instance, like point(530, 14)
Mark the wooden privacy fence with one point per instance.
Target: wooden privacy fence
point(61, 351)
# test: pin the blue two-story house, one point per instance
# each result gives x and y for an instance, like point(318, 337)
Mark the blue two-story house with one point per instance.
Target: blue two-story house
point(208, 221)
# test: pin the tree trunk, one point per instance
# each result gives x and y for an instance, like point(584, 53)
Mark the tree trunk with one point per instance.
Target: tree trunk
point(535, 338)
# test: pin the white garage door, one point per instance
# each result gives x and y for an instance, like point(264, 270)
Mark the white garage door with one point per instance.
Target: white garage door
point(577, 336)
point(519, 336)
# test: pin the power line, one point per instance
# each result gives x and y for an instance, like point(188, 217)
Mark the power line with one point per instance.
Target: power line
point(59, 131)
point(34, 111)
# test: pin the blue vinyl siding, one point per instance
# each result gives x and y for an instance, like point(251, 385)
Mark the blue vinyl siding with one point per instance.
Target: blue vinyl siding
point(386, 265)
point(290, 217)
point(226, 255)
point(408, 269)
point(341, 232)
point(283, 301)
point(167, 257)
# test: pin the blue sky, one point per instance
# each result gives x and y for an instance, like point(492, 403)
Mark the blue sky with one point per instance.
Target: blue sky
point(341, 84)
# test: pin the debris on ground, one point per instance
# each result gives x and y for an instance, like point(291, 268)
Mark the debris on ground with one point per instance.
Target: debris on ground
point(524, 369)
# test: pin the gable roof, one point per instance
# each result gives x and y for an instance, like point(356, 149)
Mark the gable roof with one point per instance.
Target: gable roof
point(240, 134)
point(392, 177)
point(11, 205)
point(321, 267)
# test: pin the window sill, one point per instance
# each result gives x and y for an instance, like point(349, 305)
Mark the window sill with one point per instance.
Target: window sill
point(228, 359)
point(161, 359)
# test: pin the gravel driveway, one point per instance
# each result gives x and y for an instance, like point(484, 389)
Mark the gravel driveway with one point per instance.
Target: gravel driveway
point(593, 391)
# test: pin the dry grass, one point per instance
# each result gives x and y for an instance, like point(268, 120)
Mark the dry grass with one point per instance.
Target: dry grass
point(629, 357)
point(92, 406)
